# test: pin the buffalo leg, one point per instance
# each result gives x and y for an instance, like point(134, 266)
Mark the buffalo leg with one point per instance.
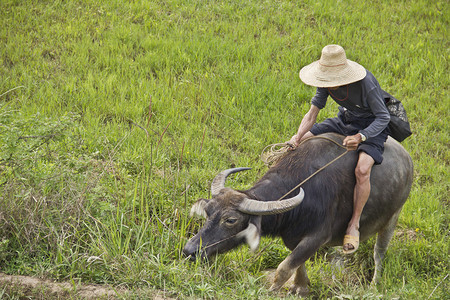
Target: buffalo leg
point(283, 273)
point(383, 238)
point(304, 250)
point(301, 282)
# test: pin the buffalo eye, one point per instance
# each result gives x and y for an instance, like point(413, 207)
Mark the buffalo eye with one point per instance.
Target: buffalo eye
point(231, 221)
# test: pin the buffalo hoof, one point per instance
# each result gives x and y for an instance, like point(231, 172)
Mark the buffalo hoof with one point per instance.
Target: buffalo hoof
point(296, 290)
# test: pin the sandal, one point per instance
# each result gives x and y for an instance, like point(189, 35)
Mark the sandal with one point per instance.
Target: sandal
point(352, 240)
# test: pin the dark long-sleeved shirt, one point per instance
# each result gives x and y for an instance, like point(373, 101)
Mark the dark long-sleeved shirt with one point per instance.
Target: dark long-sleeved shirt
point(363, 100)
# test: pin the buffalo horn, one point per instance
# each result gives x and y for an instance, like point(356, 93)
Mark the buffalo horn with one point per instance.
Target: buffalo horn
point(255, 207)
point(218, 182)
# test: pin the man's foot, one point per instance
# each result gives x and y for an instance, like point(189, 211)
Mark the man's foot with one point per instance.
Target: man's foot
point(351, 243)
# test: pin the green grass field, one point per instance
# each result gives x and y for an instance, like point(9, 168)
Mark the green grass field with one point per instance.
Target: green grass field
point(116, 115)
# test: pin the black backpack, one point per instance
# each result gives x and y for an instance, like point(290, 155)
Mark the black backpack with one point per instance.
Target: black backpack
point(399, 124)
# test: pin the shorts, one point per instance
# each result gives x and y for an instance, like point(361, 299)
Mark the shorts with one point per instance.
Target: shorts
point(373, 146)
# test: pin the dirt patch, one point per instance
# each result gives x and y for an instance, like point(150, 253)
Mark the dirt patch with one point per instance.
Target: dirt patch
point(32, 286)
point(407, 234)
point(27, 287)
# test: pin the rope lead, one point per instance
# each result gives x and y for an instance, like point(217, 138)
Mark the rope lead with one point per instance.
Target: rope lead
point(274, 155)
point(278, 151)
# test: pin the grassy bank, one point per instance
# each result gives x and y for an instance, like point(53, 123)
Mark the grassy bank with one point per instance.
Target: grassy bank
point(115, 116)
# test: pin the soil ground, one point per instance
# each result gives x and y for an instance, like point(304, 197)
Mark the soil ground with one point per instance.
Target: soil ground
point(27, 287)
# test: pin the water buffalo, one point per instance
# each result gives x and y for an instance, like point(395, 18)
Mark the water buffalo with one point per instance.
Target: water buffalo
point(310, 217)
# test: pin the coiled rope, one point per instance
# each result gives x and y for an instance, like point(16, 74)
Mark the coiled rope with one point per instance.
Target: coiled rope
point(279, 150)
point(276, 152)
point(274, 155)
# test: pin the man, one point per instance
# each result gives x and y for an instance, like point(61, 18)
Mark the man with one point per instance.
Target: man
point(363, 118)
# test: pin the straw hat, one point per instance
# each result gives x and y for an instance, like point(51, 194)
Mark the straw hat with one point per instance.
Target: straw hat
point(332, 69)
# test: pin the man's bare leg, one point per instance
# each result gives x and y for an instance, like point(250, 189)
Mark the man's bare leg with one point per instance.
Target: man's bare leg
point(360, 197)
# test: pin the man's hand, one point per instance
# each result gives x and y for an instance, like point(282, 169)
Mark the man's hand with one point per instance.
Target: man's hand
point(293, 142)
point(352, 141)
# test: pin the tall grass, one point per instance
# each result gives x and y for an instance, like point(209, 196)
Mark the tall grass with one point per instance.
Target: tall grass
point(115, 116)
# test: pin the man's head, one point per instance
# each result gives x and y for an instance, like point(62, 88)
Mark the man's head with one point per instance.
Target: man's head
point(332, 69)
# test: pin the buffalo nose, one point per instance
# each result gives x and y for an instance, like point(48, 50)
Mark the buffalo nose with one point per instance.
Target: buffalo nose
point(189, 253)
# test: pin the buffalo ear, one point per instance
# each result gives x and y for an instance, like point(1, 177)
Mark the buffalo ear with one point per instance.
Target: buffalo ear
point(198, 208)
point(252, 233)
point(256, 220)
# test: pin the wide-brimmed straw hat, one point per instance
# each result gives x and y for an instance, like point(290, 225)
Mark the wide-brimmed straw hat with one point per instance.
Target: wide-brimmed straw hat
point(332, 69)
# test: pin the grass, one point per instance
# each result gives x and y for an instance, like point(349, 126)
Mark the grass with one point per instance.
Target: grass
point(115, 116)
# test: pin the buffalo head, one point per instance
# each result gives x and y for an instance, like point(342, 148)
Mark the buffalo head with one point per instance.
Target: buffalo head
point(232, 218)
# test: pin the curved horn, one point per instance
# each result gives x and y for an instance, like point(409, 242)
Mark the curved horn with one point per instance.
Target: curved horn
point(255, 207)
point(218, 182)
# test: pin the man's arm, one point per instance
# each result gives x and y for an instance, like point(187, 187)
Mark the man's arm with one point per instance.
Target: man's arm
point(382, 118)
point(309, 119)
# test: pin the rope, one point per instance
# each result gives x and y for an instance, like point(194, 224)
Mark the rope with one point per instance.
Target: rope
point(313, 174)
point(283, 152)
point(275, 155)
point(278, 151)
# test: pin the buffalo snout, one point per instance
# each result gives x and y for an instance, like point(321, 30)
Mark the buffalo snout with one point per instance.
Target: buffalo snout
point(192, 250)
point(190, 253)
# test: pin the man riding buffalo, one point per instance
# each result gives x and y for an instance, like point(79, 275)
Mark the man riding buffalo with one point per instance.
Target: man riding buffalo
point(363, 118)
point(328, 208)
